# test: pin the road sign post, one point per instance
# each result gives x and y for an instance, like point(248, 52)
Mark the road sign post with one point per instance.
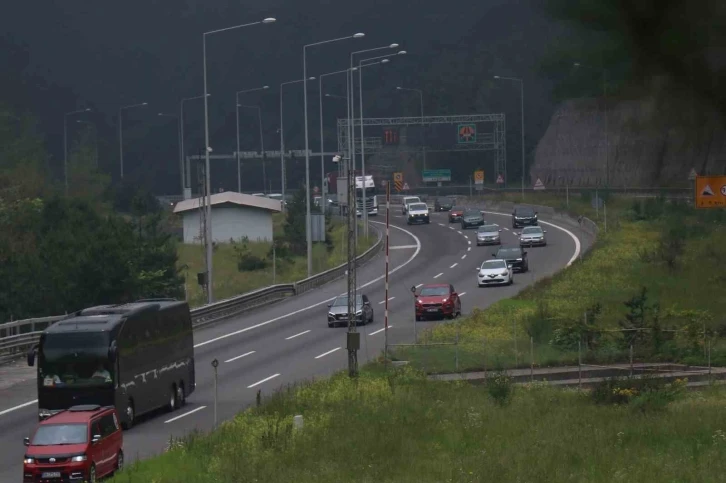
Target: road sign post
point(215, 363)
point(539, 185)
point(479, 180)
point(398, 181)
point(710, 192)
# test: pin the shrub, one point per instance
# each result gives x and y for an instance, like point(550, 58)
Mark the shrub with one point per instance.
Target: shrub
point(644, 394)
point(246, 260)
point(500, 388)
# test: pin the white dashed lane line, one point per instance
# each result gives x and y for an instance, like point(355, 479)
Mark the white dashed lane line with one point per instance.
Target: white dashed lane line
point(419, 285)
point(468, 249)
point(185, 414)
point(383, 301)
point(453, 265)
point(462, 294)
point(327, 353)
point(463, 257)
point(297, 335)
point(468, 241)
point(460, 233)
point(240, 357)
point(451, 228)
point(441, 224)
point(380, 330)
point(262, 381)
point(437, 276)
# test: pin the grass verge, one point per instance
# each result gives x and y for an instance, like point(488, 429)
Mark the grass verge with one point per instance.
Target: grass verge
point(658, 268)
point(402, 428)
point(230, 281)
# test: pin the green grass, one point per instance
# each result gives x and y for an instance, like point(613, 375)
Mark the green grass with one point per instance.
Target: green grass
point(403, 428)
point(689, 296)
point(229, 281)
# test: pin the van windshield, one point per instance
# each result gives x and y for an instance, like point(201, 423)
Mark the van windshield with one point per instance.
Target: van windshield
point(60, 434)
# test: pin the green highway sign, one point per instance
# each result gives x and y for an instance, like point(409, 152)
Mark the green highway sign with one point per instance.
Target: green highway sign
point(436, 175)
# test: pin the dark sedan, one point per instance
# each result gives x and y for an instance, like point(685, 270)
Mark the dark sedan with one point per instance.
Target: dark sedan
point(515, 256)
point(443, 204)
point(524, 216)
point(471, 218)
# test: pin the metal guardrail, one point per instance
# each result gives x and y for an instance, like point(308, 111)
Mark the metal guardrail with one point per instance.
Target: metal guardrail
point(18, 336)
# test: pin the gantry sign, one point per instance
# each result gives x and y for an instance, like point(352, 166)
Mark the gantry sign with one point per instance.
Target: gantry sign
point(471, 132)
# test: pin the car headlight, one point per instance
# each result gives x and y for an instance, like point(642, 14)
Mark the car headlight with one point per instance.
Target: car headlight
point(79, 458)
point(505, 273)
point(444, 301)
point(519, 259)
point(28, 461)
point(330, 314)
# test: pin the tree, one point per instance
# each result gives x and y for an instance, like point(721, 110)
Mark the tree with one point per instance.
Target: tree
point(85, 180)
point(295, 233)
point(23, 159)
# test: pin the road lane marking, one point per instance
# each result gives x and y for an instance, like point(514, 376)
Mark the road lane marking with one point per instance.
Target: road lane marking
point(297, 335)
point(327, 353)
point(20, 406)
point(383, 301)
point(462, 294)
point(463, 257)
point(419, 285)
point(453, 265)
point(451, 228)
point(402, 247)
point(240, 357)
point(441, 224)
point(507, 229)
point(264, 380)
point(459, 232)
point(466, 236)
point(437, 276)
point(262, 324)
point(468, 249)
point(185, 414)
point(468, 241)
point(380, 330)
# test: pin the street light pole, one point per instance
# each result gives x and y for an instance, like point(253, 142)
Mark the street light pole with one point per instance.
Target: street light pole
point(186, 179)
point(120, 132)
point(521, 86)
point(308, 221)
point(239, 164)
point(95, 141)
point(207, 147)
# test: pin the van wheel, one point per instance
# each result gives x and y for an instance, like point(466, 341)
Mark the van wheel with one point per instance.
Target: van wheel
point(180, 397)
point(172, 399)
point(120, 461)
point(130, 415)
point(92, 474)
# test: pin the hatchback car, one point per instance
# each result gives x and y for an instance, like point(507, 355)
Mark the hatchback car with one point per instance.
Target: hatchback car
point(488, 235)
point(494, 272)
point(437, 300)
point(532, 236)
point(455, 214)
point(514, 256)
point(82, 443)
point(443, 204)
point(524, 216)
point(471, 218)
point(338, 311)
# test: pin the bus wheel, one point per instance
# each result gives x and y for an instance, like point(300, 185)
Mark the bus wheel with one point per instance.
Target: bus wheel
point(172, 398)
point(180, 399)
point(130, 415)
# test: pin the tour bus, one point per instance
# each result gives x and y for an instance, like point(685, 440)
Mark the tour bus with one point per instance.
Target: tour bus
point(137, 357)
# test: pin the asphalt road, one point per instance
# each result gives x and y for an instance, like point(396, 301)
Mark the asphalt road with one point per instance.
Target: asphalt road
point(290, 341)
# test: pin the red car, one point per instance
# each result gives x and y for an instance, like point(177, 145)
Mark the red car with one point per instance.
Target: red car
point(83, 443)
point(437, 300)
point(455, 214)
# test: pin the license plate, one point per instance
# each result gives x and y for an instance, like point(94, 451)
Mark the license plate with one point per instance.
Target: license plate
point(433, 310)
point(51, 474)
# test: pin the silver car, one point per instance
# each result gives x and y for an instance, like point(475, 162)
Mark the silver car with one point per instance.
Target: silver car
point(338, 311)
point(488, 235)
point(532, 236)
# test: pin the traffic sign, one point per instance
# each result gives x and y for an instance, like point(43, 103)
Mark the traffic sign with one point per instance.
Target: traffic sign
point(711, 192)
point(436, 175)
point(479, 177)
point(398, 181)
point(467, 133)
point(500, 179)
point(316, 190)
point(692, 175)
point(405, 186)
point(539, 185)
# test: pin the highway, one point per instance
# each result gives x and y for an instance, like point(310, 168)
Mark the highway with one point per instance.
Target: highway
point(290, 341)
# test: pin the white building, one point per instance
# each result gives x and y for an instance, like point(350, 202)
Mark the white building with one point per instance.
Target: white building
point(234, 216)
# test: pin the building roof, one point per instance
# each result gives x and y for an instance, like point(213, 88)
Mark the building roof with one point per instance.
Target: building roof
point(230, 197)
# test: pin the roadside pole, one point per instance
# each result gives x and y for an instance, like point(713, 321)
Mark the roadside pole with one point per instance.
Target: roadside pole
point(385, 331)
point(215, 363)
point(415, 339)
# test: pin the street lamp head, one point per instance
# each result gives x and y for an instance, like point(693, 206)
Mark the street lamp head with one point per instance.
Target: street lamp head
point(576, 64)
point(311, 78)
point(87, 110)
point(354, 68)
point(359, 35)
point(402, 52)
point(269, 20)
point(497, 77)
point(265, 87)
point(385, 61)
point(399, 88)
point(393, 46)
point(144, 103)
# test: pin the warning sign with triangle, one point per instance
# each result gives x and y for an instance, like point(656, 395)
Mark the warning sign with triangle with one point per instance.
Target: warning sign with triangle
point(500, 179)
point(692, 175)
point(405, 186)
point(707, 191)
point(539, 185)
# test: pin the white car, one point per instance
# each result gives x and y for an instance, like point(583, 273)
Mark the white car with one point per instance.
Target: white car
point(407, 200)
point(494, 272)
point(418, 213)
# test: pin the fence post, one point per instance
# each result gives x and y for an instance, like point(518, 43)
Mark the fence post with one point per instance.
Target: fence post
point(579, 364)
point(709, 361)
point(531, 356)
point(514, 335)
point(484, 354)
point(631, 359)
point(457, 348)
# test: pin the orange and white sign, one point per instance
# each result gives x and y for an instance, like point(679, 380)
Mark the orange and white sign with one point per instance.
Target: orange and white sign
point(711, 192)
point(479, 177)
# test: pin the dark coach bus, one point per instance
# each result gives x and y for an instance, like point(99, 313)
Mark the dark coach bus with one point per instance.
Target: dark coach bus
point(137, 356)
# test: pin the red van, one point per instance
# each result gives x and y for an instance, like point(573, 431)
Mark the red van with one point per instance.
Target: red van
point(80, 444)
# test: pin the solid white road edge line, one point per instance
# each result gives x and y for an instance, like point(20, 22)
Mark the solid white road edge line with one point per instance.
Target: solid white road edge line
point(185, 414)
point(262, 324)
point(240, 357)
point(572, 235)
point(402, 247)
point(297, 335)
point(19, 406)
point(329, 352)
point(264, 380)
point(380, 330)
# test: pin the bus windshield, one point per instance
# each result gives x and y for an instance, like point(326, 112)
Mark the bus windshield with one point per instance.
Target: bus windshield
point(75, 359)
point(369, 191)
